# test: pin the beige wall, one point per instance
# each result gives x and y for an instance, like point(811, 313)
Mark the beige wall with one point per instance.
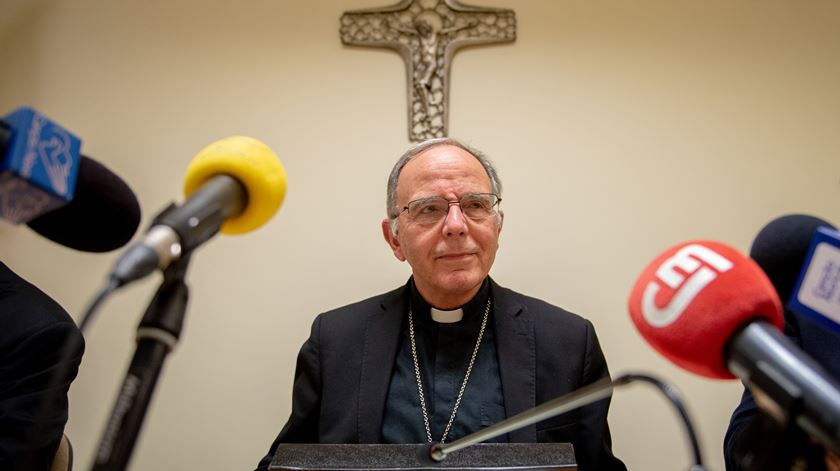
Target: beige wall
point(619, 128)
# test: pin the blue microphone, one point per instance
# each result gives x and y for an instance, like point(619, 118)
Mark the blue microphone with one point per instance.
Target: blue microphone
point(66, 197)
point(39, 170)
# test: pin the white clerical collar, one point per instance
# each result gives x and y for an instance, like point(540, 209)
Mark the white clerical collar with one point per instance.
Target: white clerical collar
point(447, 317)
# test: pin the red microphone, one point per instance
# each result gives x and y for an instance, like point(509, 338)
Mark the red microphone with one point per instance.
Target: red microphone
point(693, 297)
point(713, 311)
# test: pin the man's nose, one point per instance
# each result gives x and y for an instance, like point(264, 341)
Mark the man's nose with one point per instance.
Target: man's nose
point(455, 222)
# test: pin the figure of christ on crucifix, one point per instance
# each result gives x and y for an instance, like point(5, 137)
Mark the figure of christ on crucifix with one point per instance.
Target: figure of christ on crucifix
point(428, 27)
point(427, 33)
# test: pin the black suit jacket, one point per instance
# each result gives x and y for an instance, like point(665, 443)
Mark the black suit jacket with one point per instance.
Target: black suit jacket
point(344, 370)
point(33, 329)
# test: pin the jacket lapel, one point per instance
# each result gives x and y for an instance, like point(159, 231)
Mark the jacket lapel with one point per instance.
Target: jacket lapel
point(515, 344)
point(517, 358)
point(382, 337)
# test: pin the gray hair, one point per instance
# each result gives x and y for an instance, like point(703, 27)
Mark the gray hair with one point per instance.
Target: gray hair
point(391, 198)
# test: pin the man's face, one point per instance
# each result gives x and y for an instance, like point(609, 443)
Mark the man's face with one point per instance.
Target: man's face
point(450, 258)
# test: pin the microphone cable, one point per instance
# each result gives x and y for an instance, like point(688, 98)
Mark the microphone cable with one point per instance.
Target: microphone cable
point(104, 293)
point(676, 401)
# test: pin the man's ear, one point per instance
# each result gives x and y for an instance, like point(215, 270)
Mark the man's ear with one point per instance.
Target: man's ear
point(501, 219)
point(392, 240)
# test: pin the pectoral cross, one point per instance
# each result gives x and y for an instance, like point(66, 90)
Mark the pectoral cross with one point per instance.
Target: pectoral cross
point(427, 33)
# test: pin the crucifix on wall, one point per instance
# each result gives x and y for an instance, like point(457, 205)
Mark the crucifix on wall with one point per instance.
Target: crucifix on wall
point(427, 33)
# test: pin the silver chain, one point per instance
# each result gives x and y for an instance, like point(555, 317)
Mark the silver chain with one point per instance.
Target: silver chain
point(463, 385)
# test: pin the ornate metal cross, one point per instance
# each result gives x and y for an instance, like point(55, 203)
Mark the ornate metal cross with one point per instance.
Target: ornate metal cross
point(427, 33)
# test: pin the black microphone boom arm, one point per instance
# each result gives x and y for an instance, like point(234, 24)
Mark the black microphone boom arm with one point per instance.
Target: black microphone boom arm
point(584, 396)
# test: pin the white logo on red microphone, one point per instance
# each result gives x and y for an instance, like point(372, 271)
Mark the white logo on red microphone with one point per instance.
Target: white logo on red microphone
point(688, 259)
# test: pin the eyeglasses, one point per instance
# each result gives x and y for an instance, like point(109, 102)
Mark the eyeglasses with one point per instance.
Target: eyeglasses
point(475, 206)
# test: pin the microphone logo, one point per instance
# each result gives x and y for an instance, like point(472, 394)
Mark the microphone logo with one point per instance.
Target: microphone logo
point(44, 159)
point(53, 147)
point(816, 292)
point(58, 161)
point(697, 276)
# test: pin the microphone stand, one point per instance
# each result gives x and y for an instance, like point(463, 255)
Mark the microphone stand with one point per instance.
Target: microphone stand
point(157, 335)
point(587, 395)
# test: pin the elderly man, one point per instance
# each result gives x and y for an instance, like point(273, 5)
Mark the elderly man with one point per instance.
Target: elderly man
point(450, 352)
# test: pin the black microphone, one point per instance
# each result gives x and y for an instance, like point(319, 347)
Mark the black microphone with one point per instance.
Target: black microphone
point(66, 197)
point(233, 186)
point(784, 250)
point(780, 248)
point(102, 216)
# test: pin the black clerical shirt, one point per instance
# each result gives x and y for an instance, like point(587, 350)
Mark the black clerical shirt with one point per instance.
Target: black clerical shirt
point(444, 351)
